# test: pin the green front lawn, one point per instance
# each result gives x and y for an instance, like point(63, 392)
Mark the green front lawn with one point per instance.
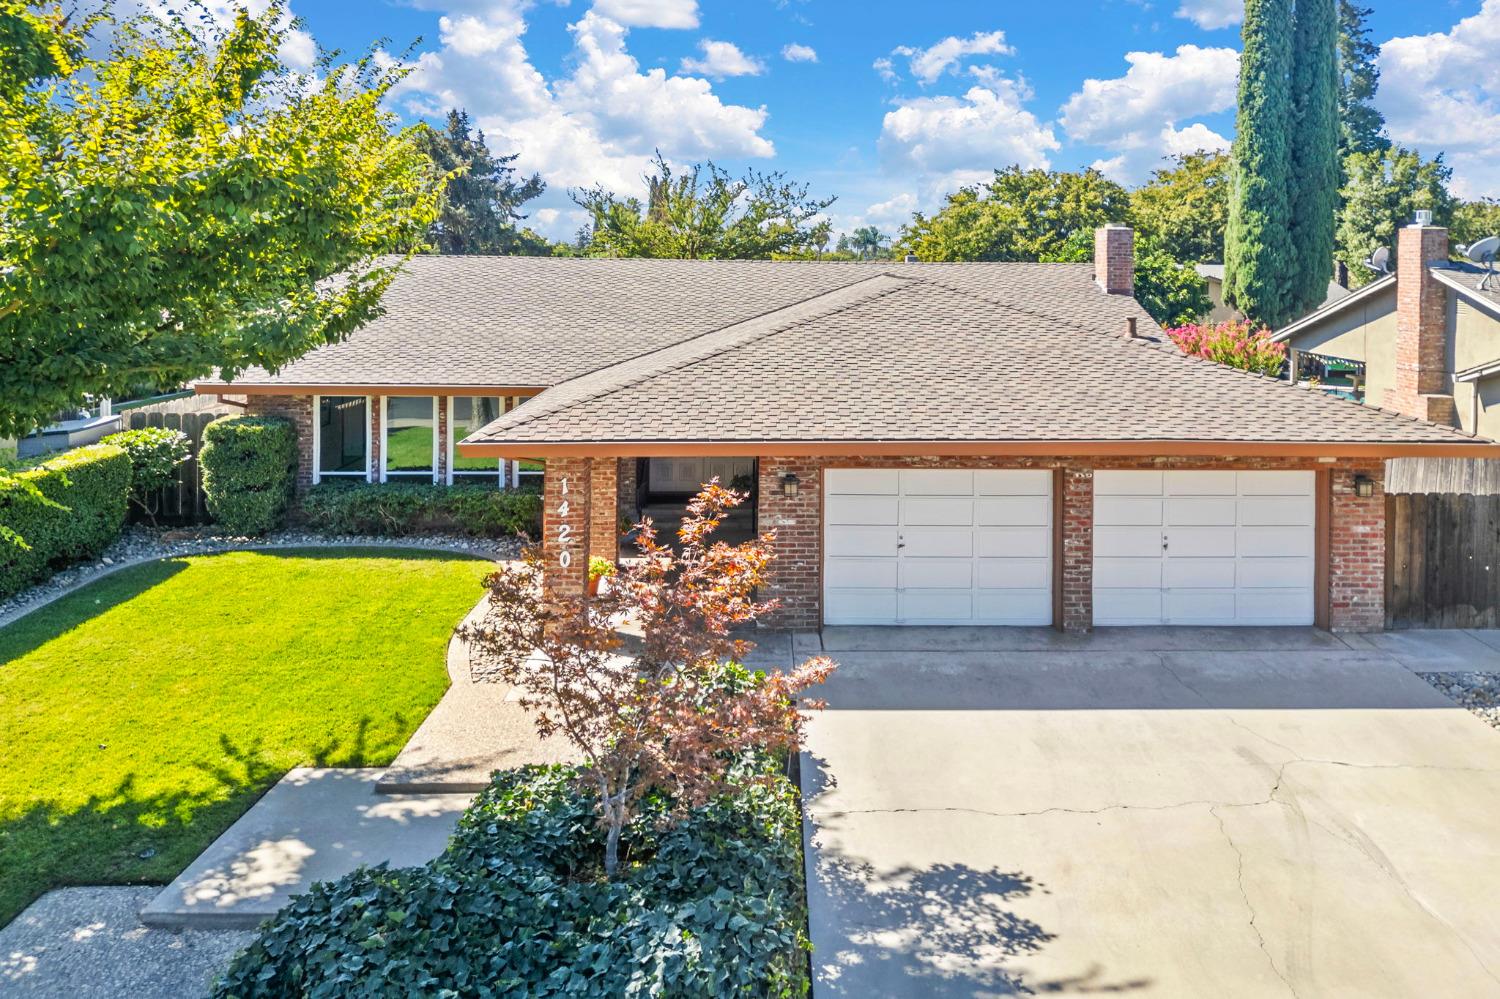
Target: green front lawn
point(142, 715)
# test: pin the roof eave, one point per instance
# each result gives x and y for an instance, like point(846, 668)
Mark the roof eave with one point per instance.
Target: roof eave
point(1331, 309)
point(350, 388)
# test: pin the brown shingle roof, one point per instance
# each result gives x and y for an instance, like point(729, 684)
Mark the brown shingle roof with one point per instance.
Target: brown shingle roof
point(913, 355)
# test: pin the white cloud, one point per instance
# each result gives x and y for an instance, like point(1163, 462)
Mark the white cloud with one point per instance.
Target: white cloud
point(1211, 14)
point(799, 53)
point(721, 59)
point(885, 68)
point(927, 64)
point(650, 13)
point(891, 213)
point(1441, 93)
point(1136, 116)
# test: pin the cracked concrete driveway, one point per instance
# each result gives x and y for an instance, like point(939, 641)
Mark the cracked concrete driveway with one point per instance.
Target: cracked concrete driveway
point(1159, 812)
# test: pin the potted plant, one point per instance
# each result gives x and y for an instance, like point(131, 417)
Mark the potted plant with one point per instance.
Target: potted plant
point(599, 568)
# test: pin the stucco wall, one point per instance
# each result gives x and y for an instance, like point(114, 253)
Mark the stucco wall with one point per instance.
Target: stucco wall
point(1363, 332)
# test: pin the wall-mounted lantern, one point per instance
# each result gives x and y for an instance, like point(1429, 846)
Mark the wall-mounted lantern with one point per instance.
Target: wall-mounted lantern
point(1364, 486)
point(790, 484)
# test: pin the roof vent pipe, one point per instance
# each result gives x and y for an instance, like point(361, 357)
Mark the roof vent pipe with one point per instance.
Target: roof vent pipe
point(1130, 328)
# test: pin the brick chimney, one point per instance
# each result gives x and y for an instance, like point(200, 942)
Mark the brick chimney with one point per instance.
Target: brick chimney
point(1114, 259)
point(1423, 387)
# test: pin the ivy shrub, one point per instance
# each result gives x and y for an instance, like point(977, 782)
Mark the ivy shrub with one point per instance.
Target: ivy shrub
point(710, 906)
point(66, 509)
point(401, 509)
point(155, 453)
point(249, 471)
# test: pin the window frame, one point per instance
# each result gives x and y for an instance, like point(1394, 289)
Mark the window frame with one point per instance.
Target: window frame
point(317, 442)
point(501, 473)
point(385, 436)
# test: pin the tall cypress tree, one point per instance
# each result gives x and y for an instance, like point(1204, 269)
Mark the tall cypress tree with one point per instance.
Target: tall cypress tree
point(1361, 125)
point(1315, 173)
point(1258, 253)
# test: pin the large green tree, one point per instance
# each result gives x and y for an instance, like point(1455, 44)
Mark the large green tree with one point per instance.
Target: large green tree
point(1314, 177)
point(1382, 190)
point(1258, 253)
point(1183, 208)
point(1474, 220)
point(704, 213)
point(181, 202)
point(483, 200)
point(1361, 125)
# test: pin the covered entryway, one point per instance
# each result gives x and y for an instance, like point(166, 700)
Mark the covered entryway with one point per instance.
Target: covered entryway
point(1205, 547)
point(937, 546)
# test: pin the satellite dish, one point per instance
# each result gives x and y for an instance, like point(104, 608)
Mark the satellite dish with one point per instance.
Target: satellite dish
point(1380, 260)
point(1484, 251)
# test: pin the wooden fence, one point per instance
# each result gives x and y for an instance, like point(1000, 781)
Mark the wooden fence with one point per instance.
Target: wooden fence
point(181, 503)
point(1442, 551)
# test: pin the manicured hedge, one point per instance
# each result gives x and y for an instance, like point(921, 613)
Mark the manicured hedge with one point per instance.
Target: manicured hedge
point(397, 509)
point(712, 906)
point(64, 510)
point(249, 471)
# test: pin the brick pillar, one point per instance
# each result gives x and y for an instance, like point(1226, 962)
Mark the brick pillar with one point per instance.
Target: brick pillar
point(298, 409)
point(795, 574)
point(1077, 549)
point(565, 524)
point(376, 465)
point(1422, 387)
point(1114, 259)
point(604, 509)
point(627, 472)
point(1356, 542)
point(442, 434)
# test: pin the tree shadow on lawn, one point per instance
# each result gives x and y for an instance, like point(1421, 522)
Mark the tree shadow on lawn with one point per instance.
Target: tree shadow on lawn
point(129, 837)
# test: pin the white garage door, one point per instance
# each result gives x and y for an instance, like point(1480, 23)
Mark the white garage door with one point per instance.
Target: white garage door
point(1216, 548)
point(937, 546)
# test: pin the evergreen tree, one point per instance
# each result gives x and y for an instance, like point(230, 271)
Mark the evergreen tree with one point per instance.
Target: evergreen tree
point(482, 202)
point(1258, 253)
point(1314, 177)
point(1361, 126)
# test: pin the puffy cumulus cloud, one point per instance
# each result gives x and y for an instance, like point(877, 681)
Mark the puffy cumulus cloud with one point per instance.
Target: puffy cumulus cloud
point(1212, 14)
point(927, 64)
point(886, 68)
point(891, 213)
point(799, 53)
point(650, 13)
point(1136, 116)
point(1441, 93)
point(721, 59)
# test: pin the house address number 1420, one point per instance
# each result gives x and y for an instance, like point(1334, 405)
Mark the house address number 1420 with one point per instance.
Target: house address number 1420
point(564, 529)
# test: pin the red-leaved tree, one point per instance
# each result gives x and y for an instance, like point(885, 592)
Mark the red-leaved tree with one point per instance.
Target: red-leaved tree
point(1235, 343)
point(637, 678)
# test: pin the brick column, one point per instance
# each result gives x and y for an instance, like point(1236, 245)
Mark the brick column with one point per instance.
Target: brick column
point(1422, 388)
point(1356, 557)
point(565, 524)
point(795, 574)
point(299, 410)
point(442, 433)
point(626, 472)
point(1077, 549)
point(1114, 259)
point(604, 509)
point(375, 439)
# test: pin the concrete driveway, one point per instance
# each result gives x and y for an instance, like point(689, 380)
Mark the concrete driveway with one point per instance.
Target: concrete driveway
point(1150, 811)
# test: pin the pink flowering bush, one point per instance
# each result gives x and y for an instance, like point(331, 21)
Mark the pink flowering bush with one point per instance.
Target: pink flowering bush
point(1233, 343)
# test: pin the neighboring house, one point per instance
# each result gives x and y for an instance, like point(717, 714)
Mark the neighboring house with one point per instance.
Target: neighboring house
point(1427, 335)
point(1213, 276)
point(931, 443)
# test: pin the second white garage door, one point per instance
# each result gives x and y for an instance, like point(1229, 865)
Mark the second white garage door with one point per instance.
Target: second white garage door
point(937, 546)
point(1210, 547)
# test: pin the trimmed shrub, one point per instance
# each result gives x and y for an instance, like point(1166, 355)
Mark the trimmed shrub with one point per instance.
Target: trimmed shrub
point(400, 509)
point(249, 471)
point(155, 453)
point(710, 906)
point(63, 510)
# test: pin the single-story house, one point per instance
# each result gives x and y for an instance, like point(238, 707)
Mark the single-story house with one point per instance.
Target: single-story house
point(1221, 311)
point(931, 443)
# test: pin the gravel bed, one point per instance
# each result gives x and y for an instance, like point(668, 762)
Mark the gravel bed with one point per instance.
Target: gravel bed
point(1479, 692)
point(143, 544)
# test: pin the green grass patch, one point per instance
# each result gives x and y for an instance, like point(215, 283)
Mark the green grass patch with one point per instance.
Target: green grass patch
point(143, 714)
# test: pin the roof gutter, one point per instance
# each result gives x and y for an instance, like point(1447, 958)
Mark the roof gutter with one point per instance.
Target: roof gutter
point(316, 388)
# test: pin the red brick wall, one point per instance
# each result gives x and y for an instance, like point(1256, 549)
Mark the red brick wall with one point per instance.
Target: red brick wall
point(1077, 548)
point(442, 436)
point(377, 465)
point(1114, 259)
point(1356, 556)
point(298, 409)
point(604, 516)
point(796, 574)
point(565, 524)
point(627, 474)
point(1421, 386)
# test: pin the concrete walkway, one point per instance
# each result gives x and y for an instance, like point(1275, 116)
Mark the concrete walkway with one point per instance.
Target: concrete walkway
point(1151, 811)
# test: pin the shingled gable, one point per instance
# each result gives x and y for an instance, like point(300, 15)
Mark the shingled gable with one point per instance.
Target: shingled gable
point(907, 361)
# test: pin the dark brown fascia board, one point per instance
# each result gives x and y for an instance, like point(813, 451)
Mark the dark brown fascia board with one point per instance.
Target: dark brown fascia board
point(240, 388)
point(975, 449)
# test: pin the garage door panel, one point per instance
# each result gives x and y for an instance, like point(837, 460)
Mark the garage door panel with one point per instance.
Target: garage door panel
point(938, 511)
point(1202, 511)
point(860, 606)
point(1127, 483)
point(1013, 482)
point(864, 481)
point(1277, 483)
point(1115, 542)
point(937, 542)
point(937, 573)
point(1033, 511)
point(862, 510)
point(1114, 573)
point(1199, 606)
point(1202, 483)
point(1200, 573)
point(1281, 607)
point(937, 482)
point(1280, 511)
point(1014, 573)
point(1123, 607)
point(1202, 542)
point(846, 540)
point(1265, 542)
point(1287, 573)
point(1018, 607)
point(936, 606)
point(1013, 542)
point(1127, 511)
point(861, 573)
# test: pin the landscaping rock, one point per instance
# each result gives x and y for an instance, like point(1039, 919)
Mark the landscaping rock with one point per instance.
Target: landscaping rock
point(1479, 692)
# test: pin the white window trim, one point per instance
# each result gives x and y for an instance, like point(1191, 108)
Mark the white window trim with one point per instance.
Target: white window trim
point(385, 439)
point(501, 470)
point(317, 441)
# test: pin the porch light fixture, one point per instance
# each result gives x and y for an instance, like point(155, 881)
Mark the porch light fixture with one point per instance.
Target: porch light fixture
point(1364, 486)
point(790, 484)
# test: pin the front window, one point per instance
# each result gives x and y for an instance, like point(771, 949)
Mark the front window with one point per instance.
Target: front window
point(410, 437)
point(470, 413)
point(343, 435)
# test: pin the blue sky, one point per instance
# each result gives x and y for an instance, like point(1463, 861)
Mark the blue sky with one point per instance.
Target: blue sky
point(886, 104)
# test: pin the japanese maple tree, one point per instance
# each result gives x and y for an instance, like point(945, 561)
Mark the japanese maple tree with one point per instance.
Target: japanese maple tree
point(1235, 343)
point(642, 679)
